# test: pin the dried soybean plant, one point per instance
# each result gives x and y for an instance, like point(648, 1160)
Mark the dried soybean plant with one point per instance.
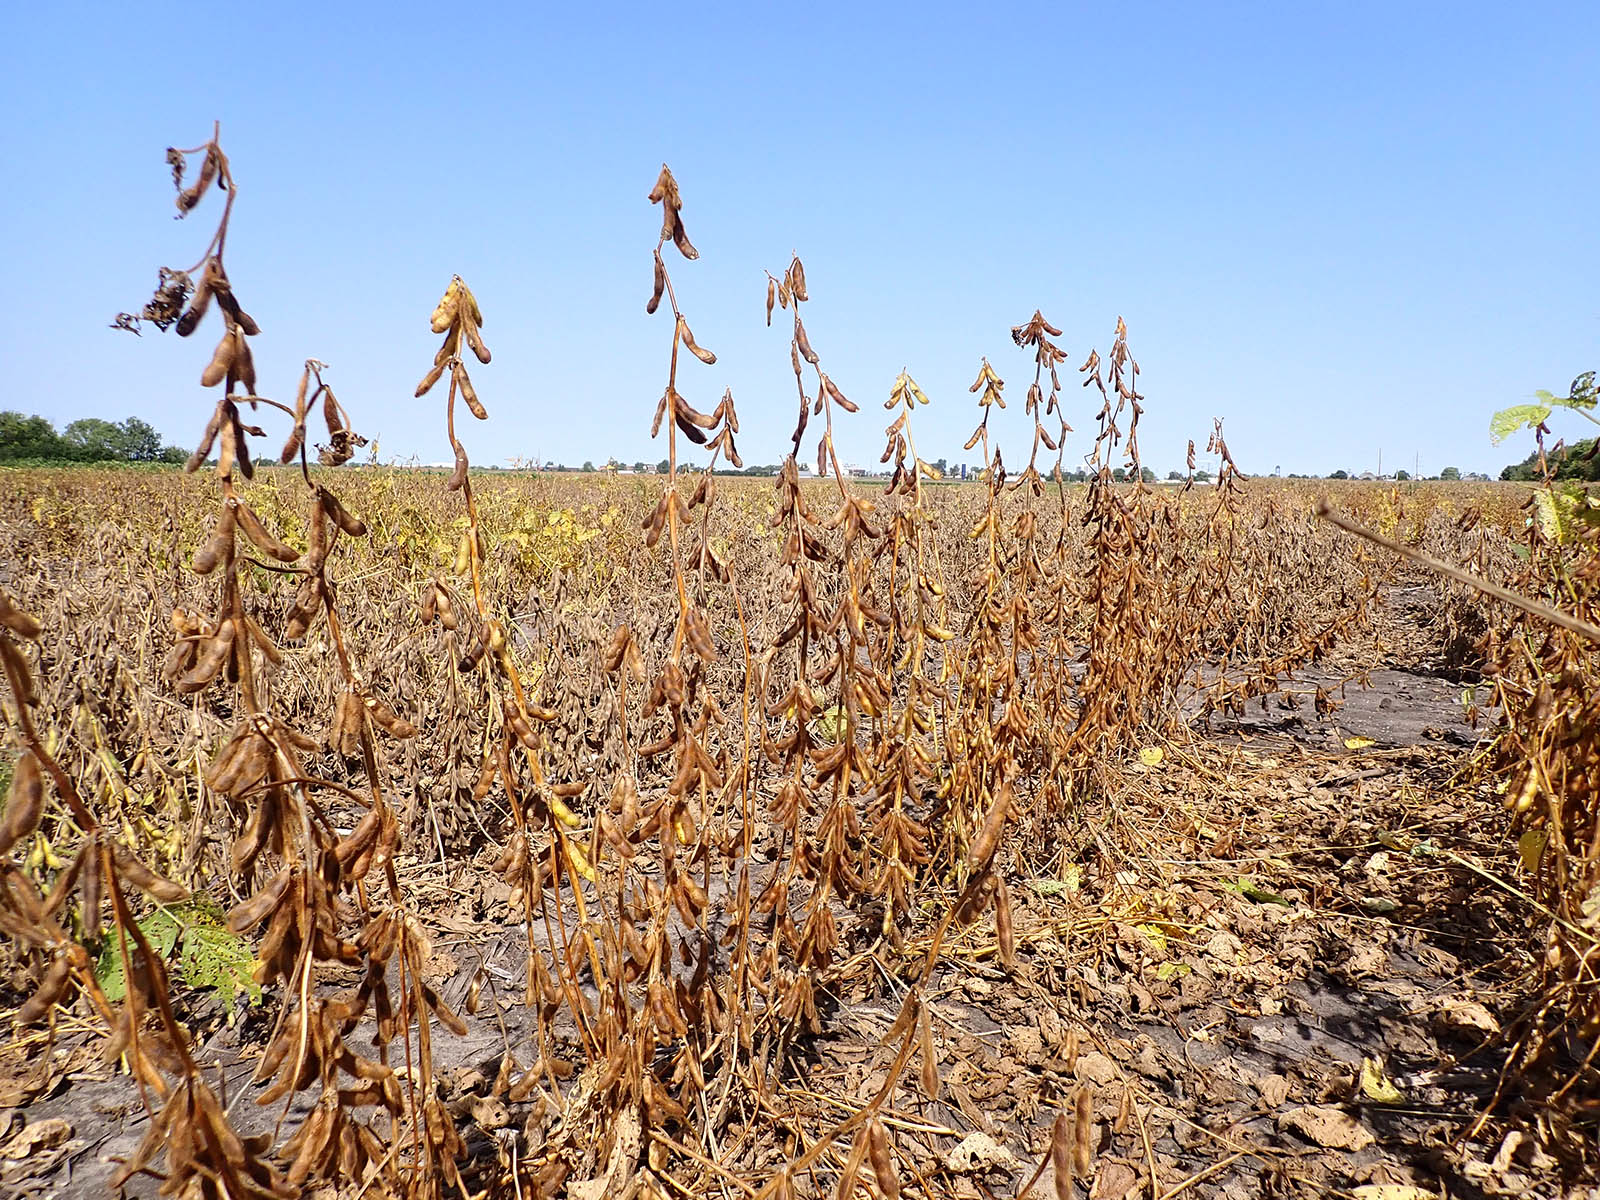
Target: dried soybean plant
point(1543, 655)
point(1254, 564)
point(1547, 681)
point(1116, 689)
point(308, 880)
point(1151, 588)
point(823, 759)
point(667, 1031)
point(990, 728)
point(542, 849)
point(654, 1033)
point(204, 1156)
point(1036, 334)
point(1042, 581)
point(905, 741)
point(871, 754)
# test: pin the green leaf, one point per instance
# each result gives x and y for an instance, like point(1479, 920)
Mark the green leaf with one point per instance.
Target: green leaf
point(1250, 890)
point(1582, 395)
point(212, 956)
point(830, 723)
point(108, 972)
point(208, 954)
point(1508, 420)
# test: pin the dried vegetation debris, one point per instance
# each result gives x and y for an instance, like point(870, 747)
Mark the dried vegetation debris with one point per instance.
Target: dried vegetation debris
point(704, 837)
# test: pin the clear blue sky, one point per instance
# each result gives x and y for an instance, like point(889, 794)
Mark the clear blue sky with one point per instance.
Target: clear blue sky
point(1343, 227)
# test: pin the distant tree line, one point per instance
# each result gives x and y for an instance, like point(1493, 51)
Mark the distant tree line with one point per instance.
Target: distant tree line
point(1577, 461)
point(88, 439)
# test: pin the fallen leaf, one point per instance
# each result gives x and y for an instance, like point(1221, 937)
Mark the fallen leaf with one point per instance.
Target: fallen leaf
point(1274, 1089)
point(41, 1135)
point(1225, 946)
point(978, 1152)
point(1151, 756)
point(1502, 1157)
point(1095, 1067)
point(1467, 1017)
point(1358, 743)
point(1392, 1191)
point(619, 1168)
point(1050, 887)
point(1331, 1128)
point(1375, 1085)
point(1114, 1181)
point(1156, 936)
point(489, 1113)
point(1530, 848)
point(1366, 958)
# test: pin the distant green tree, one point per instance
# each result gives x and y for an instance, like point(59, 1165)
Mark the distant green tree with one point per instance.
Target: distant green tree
point(1402, 476)
point(1174, 474)
point(1120, 474)
point(663, 467)
point(587, 465)
point(93, 440)
point(1578, 461)
point(1450, 473)
point(1203, 476)
point(28, 437)
point(1146, 474)
point(140, 441)
point(1340, 475)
